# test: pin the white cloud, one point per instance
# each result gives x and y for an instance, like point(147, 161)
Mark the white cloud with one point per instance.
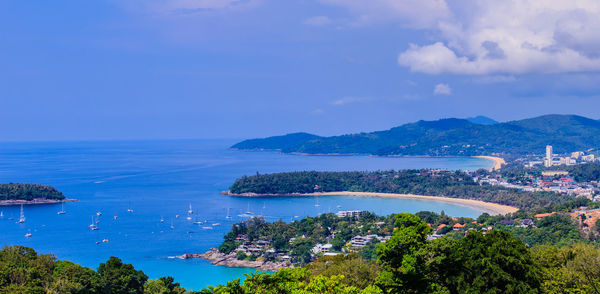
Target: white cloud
point(185, 6)
point(483, 37)
point(317, 21)
point(317, 111)
point(412, 13)
point(442, 89)
point(348, 100)
point(512, 37)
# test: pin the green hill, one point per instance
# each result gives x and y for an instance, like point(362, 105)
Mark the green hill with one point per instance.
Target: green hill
point(449, 137)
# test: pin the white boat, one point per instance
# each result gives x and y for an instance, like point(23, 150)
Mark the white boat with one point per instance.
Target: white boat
point(207, 228)
point(1, 213)
point(115, 217)
point(190, 211)
point(62, 210)
point(104, 240)
point(197, 222)
point(317, 204)
point(28, 235)
point(93, 226)
point(172, 227)
point(130, 210)
point(248, 211)
point(98, 213)
point(162, 220)
point(22, 217)
point(228, 216)
point(216, 224)
point(189, 217)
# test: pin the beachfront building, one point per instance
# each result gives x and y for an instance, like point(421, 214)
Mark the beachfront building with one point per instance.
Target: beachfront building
point(350, 213)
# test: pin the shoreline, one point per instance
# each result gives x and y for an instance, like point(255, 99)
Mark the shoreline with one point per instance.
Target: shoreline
point(489, 207)
point(498, 161)
point(230, 260)
point(34, 201)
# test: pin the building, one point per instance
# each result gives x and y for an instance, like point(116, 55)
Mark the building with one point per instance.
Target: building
point(552, 173)
point(349, 213)
point(588, 158)
point(548, 159)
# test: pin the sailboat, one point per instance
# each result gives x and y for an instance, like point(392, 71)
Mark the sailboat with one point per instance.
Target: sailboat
point(93, 226)
point(28, 234)
point(129, 209)
point(22, 217)
point(264, 205)
point(190, 211)
point(62, 209)
point(317, 204)
point(248, 211)
point(228, 216)
point(1, 213)
point(162, 220)
point(172, 226)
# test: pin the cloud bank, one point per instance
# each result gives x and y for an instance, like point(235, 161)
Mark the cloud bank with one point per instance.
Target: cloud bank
point(482, 37)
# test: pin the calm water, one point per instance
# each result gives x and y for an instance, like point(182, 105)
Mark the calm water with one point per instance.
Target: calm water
point(160, 179)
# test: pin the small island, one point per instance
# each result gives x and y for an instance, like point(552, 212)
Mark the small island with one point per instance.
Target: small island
point(23, 193)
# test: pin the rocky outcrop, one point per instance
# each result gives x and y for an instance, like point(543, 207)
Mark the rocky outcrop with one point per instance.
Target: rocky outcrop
point(230, 260)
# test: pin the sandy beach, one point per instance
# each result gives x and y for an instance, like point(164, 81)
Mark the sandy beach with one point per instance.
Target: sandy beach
point(491, 208)
point(498, 161)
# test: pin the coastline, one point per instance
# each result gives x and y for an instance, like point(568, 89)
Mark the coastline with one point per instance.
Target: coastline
point(34, 201)
point(489, 207)
point(230, 260)
point(498, 161)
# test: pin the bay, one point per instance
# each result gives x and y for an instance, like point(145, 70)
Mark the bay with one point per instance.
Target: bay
point(161, 179)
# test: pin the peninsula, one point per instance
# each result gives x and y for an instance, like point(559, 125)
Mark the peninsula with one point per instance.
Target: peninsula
point(441, 185)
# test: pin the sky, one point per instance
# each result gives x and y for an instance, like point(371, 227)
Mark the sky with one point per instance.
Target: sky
point(158, 69)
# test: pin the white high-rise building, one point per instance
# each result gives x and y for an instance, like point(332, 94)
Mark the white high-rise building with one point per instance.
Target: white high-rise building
point(548, 160)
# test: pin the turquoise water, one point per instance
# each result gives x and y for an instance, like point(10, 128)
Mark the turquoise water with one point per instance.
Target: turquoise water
point(160, 179)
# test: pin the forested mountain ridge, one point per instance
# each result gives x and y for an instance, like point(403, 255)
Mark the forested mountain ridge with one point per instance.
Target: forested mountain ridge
point(448, 137)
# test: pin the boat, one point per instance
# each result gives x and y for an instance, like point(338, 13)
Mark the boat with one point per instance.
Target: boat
point(130, 210)
point(339, 206)
point(228, 216)
point(115, 217)
point(207, 228)
point(162, 220)
point(172, 227)
point(264, 205)
point(197, 222)
point(190, 211)
point(248, 211)
point(98, 242)
point(28, 235)
point(22, 217)
point(104, 240)
point(98, 213)
point(189, 217)
point(317, 204)
point(93, 226)
point(62, 210)
point(216, 224)
point(1, 213)
point(177, 216)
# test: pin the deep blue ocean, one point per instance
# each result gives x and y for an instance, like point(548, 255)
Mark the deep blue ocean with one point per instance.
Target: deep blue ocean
point(160, 179)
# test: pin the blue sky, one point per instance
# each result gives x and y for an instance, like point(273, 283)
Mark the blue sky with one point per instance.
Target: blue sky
point(79, 70)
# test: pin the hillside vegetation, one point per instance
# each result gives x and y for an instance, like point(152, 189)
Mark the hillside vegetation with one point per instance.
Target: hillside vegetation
point(420, 182)
point(449, 137)
point(29, 192)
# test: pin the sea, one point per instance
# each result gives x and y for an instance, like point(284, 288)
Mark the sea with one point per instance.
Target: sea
point(126, 188)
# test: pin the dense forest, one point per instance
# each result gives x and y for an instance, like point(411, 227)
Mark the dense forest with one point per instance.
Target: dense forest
point(29, 192)
point(494, 262)
point(24, 271)
point(449, 137)
point(420, 182)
